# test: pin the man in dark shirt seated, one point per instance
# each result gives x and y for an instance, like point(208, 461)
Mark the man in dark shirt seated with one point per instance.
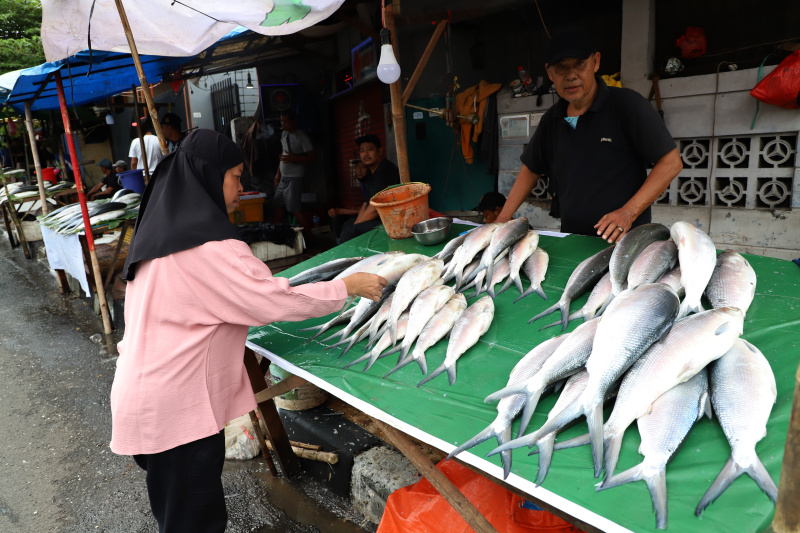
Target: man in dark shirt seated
point(379, 175)
point(109, 185)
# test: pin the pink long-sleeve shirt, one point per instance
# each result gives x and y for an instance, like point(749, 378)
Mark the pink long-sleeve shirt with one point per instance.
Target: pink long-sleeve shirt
point(180, 374)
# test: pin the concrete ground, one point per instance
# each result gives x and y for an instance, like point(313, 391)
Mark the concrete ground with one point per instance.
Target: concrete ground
point(58, 474)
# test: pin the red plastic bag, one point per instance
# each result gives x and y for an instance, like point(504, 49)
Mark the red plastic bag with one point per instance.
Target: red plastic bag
point(781, 87)
point(421, 509)
point(693, 43)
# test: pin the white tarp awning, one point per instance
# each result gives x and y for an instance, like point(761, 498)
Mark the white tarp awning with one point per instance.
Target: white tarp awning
point(169, 27)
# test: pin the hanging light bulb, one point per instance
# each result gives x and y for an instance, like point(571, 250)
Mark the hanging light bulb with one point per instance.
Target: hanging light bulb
point(110, 119)
point(388, 69)
point(249, 82)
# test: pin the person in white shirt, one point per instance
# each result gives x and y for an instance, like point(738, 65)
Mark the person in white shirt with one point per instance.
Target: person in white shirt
point(151, 146)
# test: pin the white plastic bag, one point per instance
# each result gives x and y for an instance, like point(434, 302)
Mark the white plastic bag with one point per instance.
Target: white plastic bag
point(240, 439)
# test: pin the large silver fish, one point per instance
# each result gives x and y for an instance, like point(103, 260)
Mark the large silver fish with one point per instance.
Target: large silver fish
point(383, 343)
point(535, 268)
point(697, 257)
point(501, 272)
point(662, 431)
point(369, 264)
point(691, 344)
point(477, 240)
point(568, 359)
point(323, 272)
point(510, 406)
point(521, 251)
point(596, 299)
point(414, 281)
point(630, 325)
point(379, 319)
point(673, 279)
point(450, 248)
point(733, 282)
point(437, 327)
point(742, 392)
point(584, 277)
point(468, 329)
point(422, 310)
point(654, 261)
point(628, 249)
point(502, 241)
point(322, 328)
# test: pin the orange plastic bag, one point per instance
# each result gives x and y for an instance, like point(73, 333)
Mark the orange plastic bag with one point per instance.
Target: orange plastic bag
point(419, 508)
point(781, 87)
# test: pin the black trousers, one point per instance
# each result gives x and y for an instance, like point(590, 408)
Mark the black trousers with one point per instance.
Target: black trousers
point(185, 486)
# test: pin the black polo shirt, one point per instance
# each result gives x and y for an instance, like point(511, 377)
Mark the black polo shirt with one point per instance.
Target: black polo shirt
point(598, 166)
point(385, 174)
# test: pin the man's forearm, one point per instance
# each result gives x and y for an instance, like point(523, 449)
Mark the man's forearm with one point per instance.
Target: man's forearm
point(656, 183)
point(525, 182)
point(368, 212)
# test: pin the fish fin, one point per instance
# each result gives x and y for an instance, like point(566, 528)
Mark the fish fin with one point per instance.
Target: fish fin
point(525, 293)
point(312, 328)
point(491, 292)
point(635, 473)
point(564, 417)
point(400, 364)
point(505, 286)
point(393, 331)
point(574, 442)
point(762, 478)
point(362, 358)
point(594, 419)
point(375, 356)
point(451, 374)
point(505, 457)
point(518, 283)
point(723, 328)
point(727, 475)
point(551, 309)
point(556, 323)
point(531, 401)
point(405, 349)
point(707, 409)
point(540, 291)
point(545, 447)
point(657, 485)
point(439, 370)
point(606, 303)
point(517, 388)
point(483, 436)
point(512, 445)
point(338, 333)
point(612, 445)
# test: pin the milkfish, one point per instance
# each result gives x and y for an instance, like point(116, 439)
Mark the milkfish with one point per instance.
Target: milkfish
point(379, 320)
point(585, 275)
point(673, 279)
point(503, 239)
point(324, 272)
point(520, 252)
point(450, 248)
point(697, 258)
point(501, 272)
point(591, 308)
point(422, 310)
point(322, 328)
point(628, 249)
point(414, 281)
point(383, 343)
point(690, 345)
point(510, 406)
point(436, 329)
point(569, 358)
point(477, 240)
point(369, 265)
point(120, 193)
point(654, 261)
point(469, 328)
point(662, 431)
point(535, 269)
point(630, 325)
point(364, 310)
point(733, 282)
point(742, 392)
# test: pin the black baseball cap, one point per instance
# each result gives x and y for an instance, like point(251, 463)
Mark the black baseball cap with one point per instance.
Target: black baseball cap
point(171, 119)
point(369, 138)
point(574, 42)
point(490, 201)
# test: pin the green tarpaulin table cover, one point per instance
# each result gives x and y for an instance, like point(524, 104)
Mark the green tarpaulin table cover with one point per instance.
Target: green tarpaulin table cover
point(445, 416)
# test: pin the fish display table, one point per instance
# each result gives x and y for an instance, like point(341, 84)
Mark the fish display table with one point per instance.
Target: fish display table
point(445, 416)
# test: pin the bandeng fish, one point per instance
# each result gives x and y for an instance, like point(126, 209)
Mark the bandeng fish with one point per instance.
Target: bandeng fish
point(450, 248)
point(596, 299)
point(424, 307)
point(654, 261)
point(414, 281)
point(628, 249)
point(322, 328)
point(502, 240)
point(733, 282)
point(673, 279)
point(520, 252)
point(323, 272)
point(697, 257)
point(535, 268)
point(383, 343)
point(477, 240)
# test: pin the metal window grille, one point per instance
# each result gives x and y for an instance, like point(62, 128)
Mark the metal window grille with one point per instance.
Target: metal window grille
point(224, 104)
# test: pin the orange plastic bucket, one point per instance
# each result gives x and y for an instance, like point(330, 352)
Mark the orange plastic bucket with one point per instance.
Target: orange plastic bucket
point(402, 206)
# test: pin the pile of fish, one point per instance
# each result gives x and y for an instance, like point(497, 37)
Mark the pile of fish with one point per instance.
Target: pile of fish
point(69, 219)
point(20, 191)
point(647, 341)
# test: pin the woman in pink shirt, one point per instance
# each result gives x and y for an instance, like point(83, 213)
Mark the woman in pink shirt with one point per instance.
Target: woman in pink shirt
point(193, 291)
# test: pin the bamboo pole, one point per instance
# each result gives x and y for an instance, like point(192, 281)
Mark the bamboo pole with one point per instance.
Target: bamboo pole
point(76, 169)
point(140, 132)
point(787, 510)
point(148, 97)
point(13, 213)
point(426, 55)
point(36, 162)
point(398, 111)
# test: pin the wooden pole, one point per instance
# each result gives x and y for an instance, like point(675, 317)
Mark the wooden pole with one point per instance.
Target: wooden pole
point(36, 162)
point(787, 510)
point(426, 55)
point(148, 97)
point(398, 111)
point(140, 132)
point(14, 218)
point(76, 169)
point(440, 482)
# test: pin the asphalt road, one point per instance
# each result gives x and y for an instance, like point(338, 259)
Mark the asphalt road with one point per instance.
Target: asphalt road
point(57, 473)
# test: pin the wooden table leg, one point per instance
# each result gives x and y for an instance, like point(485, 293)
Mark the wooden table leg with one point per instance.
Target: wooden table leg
point(262, 443)
point(63, 284)
point(87, 263)
point(440, 482)
point(3, 207)
point(125, 226)
point(276, 433)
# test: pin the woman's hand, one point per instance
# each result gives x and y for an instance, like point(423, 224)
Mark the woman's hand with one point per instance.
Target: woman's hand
point(365, 285)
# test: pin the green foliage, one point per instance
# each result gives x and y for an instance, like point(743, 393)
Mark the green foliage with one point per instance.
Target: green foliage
point(20, 26)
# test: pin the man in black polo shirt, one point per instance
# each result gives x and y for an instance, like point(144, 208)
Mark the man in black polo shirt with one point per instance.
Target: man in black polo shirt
point(380, 174)
point(595, 144)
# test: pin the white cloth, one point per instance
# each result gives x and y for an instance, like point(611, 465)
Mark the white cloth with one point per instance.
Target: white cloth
point(153, 148)
point(166, 28)
point(64, 253)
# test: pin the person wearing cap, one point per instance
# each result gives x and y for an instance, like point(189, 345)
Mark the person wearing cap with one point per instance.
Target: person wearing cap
point(491, 205)
point(171, 128)
point(120, 166)
point(110, 183)
point(381, 173)
point(595, 144)
point(297, 152)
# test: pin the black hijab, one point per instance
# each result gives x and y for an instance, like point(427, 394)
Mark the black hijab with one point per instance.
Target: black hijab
point(183, 205)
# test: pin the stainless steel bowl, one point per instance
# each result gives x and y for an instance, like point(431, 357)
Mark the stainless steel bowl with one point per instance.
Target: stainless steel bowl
point(432, 231)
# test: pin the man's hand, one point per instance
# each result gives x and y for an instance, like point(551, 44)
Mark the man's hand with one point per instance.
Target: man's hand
point(333, 211)
point(615, 224)
point(502, 219)
point(277, 178)
point(365, 285)
point(287, 158)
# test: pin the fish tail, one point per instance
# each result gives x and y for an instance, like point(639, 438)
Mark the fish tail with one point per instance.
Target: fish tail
point(392, 327)
point(518, 283)
point(605, 304)
point(545, 447)
point(399, 365)
point(375, 355)
point(451, 374)
point(512, 445)
point(405, 349)
point(478, 290)
point(439, 370)
point(564, 417)
point(551, 309)
point(510, 390)
point(612, 445)
point(525, 293)
point(531, 401)
point(635, 473)
point(538, 290)
point(506, 285)
point(657, 485)
point(482, 436)
point(762, 478)
point(594, 418)
point(353, 340)
point(312, 328)
point(362, 358)
point(421, 361)
point(574, 442)
point(505, 456)
point(338, 333)
point(490, 290)
point(727, 475)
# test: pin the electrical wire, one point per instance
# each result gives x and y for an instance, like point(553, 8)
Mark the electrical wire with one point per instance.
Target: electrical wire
point(712, 150)
point(542, 18)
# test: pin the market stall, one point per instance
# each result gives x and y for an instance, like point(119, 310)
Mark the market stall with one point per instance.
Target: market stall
point(445, 416)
